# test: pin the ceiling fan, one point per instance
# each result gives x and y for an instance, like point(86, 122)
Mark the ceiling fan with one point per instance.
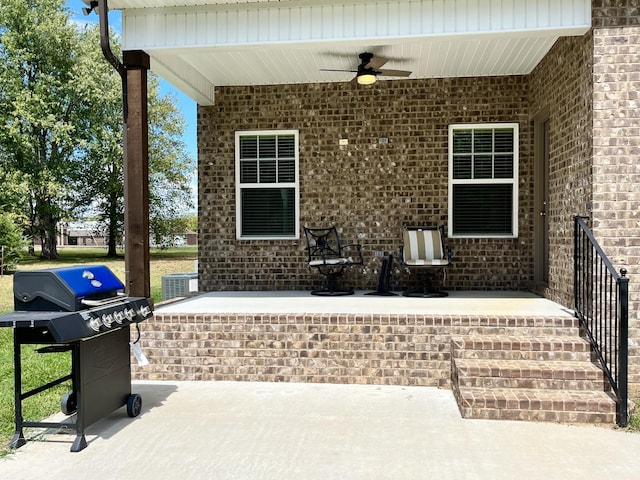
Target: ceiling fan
point(369, 69)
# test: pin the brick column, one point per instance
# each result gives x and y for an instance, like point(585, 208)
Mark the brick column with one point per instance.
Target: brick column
point(616, 148)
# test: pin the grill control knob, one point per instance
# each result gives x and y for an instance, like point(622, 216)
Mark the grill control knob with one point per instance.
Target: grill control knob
point(129, 313)
point(107, 320)
point(145, 311)
point(95, 323)
point(118, 317)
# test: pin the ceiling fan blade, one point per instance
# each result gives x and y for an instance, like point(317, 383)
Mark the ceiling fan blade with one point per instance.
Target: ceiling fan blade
point(394, 73)
point(334, 70)
point(376, 63)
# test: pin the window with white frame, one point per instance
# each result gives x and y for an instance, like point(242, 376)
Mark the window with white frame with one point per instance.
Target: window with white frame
point(267, 193)
point(483, 180)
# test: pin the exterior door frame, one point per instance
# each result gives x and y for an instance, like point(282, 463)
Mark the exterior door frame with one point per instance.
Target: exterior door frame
point(541, 124)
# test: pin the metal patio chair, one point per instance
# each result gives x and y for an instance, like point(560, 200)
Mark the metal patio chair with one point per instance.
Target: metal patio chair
point(330, 257)
point(423, 251)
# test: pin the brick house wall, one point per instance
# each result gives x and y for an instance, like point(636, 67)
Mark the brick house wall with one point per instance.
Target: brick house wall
point(561, 84)
point(589, 86)
point(369, 190)
point(616, 148)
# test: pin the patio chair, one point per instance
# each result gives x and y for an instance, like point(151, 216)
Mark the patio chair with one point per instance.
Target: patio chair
point(330, 257)
point(423, 251)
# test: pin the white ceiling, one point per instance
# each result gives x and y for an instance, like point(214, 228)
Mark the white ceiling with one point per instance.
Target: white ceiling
point(200, 44)
point(426, 58)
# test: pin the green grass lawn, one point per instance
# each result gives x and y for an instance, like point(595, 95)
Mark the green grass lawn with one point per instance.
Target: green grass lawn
point(41, 368)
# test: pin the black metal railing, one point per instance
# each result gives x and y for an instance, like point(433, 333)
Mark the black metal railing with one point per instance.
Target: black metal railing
point(601, 299)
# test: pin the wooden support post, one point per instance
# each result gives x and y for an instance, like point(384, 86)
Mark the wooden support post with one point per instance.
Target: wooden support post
point(136, 175)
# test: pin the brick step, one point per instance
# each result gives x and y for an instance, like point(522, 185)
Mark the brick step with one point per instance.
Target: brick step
point(511, 347)
point(520, 326)
point(517, 331)
point(563, 375)
point(536, 405)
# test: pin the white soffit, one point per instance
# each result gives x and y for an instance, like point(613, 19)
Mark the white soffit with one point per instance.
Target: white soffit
point(199, 44)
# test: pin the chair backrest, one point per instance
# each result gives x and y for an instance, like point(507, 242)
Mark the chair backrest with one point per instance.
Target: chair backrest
point(423, 244)
point(323, 243)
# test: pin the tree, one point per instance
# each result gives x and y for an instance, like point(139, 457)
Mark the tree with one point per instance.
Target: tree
point(169, 167)
point(169, 164)
point(101, 192)
point(61, 108)
point(192, 222)
point(11, 242)
point(42, 108)
point(12, 219)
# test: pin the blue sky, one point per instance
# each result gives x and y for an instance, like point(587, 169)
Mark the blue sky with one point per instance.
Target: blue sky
point(186, 105)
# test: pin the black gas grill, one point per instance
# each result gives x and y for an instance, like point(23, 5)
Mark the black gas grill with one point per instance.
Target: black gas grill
point(81, 310)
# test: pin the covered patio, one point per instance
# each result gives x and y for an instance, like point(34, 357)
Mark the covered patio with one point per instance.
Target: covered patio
point(265, 68)
point(504, 354)
point(294, 336)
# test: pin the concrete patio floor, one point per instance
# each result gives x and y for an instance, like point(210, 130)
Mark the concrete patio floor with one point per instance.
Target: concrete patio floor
point(457, 303)
point(234, 430)
point(249, 430)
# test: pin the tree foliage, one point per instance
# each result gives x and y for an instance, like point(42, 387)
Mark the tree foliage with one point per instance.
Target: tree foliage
point(11, 242)
point(169, 165)
point(40, 108)
point(61, 135)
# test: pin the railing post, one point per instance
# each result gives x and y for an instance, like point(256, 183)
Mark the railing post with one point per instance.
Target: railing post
point(623, 352)
point(576, 266)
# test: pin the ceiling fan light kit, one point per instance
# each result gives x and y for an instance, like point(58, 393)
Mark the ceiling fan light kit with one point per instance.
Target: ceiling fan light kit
point(366, 79)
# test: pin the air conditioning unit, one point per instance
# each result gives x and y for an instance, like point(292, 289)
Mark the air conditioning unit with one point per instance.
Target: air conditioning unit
point(179, 285)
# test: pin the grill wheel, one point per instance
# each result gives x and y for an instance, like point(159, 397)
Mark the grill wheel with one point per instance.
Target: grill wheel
point(134, 405)
point(68, 404)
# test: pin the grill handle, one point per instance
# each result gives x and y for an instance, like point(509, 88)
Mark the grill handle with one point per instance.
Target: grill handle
point(105, 301)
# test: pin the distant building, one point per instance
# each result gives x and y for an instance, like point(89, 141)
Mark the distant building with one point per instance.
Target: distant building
point(83, 234)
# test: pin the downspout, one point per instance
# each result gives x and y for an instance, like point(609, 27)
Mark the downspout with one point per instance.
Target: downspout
point(103, 15)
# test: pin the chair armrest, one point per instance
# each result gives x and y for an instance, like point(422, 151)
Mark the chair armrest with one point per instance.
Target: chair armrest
point(401, 256)
point(351, 250)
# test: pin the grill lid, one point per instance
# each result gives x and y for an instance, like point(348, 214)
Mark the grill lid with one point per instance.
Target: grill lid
point(64, 289)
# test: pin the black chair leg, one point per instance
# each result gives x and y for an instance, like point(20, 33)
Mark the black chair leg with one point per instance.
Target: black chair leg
point(332, 290)
point(426, 291)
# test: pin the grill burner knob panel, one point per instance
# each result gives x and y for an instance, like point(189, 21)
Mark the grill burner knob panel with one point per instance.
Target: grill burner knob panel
point(115, 316)
point(70, 326)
